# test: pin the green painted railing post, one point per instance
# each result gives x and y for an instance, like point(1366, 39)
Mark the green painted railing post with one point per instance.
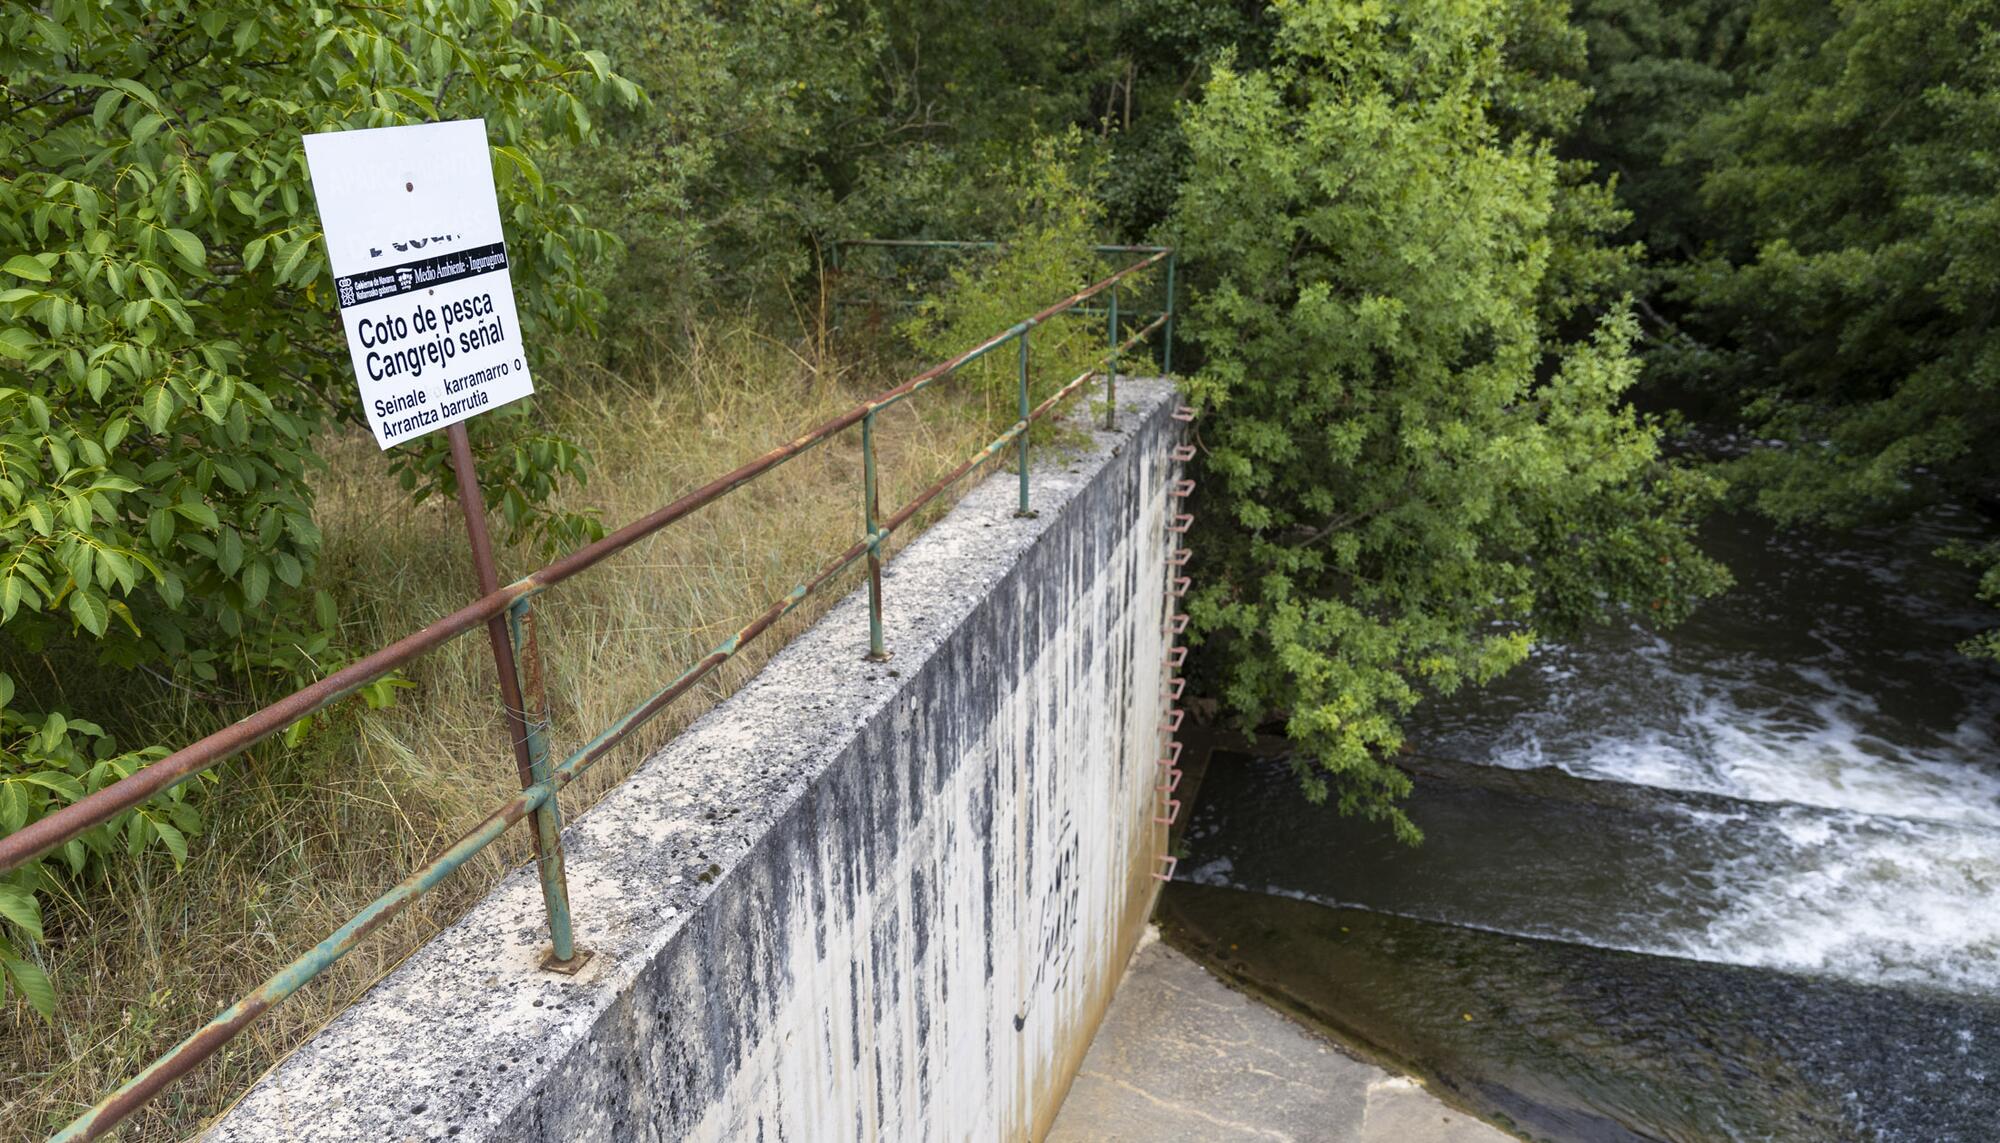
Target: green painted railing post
point(1026, 410)
point(548, 816)
point(877, 652)
point(1167, 334)
point(1111, 378)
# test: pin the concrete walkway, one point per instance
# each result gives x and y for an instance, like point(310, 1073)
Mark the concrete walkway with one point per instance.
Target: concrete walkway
point(1182, 1056)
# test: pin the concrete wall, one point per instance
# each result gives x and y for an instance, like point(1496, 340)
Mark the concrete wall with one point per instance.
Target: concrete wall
point(855, 901)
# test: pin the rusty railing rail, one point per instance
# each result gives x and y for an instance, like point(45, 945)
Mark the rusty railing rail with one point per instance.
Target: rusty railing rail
point(509, 605)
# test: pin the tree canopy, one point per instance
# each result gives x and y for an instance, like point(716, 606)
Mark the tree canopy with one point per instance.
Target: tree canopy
point(1410, 471)
point(1816, 184)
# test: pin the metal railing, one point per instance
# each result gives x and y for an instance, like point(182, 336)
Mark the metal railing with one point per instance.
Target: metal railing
point(505, 612)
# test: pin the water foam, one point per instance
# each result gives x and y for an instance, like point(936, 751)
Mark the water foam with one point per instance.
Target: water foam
point(1869, 898)
point(1864, 898)
point(1817, 742)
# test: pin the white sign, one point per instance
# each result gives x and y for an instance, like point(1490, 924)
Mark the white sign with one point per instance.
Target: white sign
point(420, 270)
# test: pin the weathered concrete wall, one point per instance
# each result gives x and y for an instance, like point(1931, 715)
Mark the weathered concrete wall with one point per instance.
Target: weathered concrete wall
point(855, 901)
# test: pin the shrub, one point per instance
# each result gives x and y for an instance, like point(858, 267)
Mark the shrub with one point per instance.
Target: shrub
point(168, 346)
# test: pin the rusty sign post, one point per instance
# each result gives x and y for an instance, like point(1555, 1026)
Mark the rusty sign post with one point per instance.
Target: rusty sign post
point(420, 269)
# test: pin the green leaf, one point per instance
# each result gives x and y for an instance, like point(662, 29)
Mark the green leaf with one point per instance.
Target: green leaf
point(54, 729)
point(125, 616)
point(160, 528)
point(147, 127)
point(294, 255)
point(19, 906)
point(91, 609)
point(27, 266)
point(34, 985)
point(176, 842)
point(137, 90)
point(81, 560)
point(229, 554)
point(113, 567)
point(156, 408)
point(68, 788)
point(106, 107)
point(198, 512)
point(256, 582)
point(521, 163)
point(325, 611)
point(189, 248)
point(16, 343)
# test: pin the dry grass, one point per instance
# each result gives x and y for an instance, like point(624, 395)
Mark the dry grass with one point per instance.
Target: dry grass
point(300, 840)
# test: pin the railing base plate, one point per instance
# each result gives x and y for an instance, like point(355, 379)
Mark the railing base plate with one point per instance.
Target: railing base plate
point(569, 967)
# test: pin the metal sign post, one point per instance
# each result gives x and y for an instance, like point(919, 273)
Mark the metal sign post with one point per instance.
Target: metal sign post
point(420, 271)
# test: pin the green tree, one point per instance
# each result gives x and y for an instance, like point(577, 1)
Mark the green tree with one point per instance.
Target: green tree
point(169, 349)
point(778, 126)
point(1408, 474)
point(718, 183)
point(1655, 70)
point(1844, 303)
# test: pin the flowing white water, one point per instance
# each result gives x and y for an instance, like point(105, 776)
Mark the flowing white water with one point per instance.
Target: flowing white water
point(1792, 804)
point(1741, 726)
point(1825, 688)
point(1815, 771)
point(1864, 897)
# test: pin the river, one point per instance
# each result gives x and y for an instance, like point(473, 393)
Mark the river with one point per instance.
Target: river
point(1733, 881)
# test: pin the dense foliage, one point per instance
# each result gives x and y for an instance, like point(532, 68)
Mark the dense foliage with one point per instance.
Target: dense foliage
point(1410, 473)
point(1816, 182)
point(775, 128)
point(1654, 70)
point(168, 349)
